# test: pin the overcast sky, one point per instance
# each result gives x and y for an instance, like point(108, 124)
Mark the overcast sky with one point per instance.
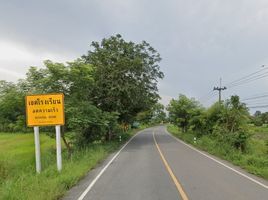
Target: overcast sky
point(199, 40)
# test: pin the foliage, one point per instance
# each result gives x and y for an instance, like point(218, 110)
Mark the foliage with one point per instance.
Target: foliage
point(182, 111)
point(155, 115)
point(159, 115)
point(107, 87)
point(17, 166)
point(199, 121)
point(225, 122)
point(259, 118)
point(12, 107)
point(232, 125)
point(235, 115)
point(91, 123)
point(125, 76)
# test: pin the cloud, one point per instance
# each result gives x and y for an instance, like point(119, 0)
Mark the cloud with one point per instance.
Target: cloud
point(16, 58)
point(4, 73)
point(9, 51)
point(199, 41)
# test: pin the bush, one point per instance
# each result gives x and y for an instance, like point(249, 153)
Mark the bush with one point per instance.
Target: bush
point(258, 122)
point(91, 123)
point(240, 140)
point(237, 140)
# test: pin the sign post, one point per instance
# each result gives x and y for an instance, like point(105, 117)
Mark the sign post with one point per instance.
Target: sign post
point(45, 110)
point(58, 142)
point(37, 149)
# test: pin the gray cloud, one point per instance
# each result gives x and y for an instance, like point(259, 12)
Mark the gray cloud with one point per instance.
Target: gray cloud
point(199, 41)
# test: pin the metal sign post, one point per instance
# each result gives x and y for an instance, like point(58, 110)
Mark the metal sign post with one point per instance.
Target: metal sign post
point(58, 144)
point(45, 110)
point(37, 149)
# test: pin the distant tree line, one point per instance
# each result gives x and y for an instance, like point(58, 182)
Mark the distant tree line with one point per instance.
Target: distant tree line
point(111, 86)
point(226, 122)
point(259, 118)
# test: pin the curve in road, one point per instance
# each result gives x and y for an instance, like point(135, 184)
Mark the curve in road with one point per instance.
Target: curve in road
point(149, 165)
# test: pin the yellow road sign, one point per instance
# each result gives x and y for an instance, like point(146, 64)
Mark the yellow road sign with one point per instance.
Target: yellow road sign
point(45, 109)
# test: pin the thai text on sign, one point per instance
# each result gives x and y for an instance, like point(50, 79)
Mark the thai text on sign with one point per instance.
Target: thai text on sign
point(45, 109)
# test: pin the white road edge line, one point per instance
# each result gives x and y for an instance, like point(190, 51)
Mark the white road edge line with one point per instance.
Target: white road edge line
point(234, 170)
point(82, 196)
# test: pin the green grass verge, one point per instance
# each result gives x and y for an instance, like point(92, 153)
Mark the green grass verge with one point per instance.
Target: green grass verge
point(255, 160)
point(18, 179)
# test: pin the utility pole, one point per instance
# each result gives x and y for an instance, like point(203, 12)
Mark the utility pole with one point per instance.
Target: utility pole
point(220, 89)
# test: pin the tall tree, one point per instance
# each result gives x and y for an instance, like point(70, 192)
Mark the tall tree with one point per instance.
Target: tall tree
point(235, 115)
point(11, 107)
point(155, 115)
point(181, 111)
point(75, 80)
point(126, 76)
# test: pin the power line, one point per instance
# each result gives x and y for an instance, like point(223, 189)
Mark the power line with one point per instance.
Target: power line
point(257, 104)
point(249, 80)
point(247, 76)
point(263, 106)
point(262, 73)
point(253, 98)
point(209, 97)
point(255, 95)
point(206, 96)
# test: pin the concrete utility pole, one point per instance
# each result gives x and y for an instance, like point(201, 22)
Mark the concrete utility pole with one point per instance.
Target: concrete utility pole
point(220, 89)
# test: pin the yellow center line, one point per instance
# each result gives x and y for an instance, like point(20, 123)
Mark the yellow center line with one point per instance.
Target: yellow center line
point(175, 180)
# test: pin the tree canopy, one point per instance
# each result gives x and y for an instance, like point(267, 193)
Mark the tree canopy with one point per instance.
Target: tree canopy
point(227, 121)
point(126, 76)
point(182, 110)
point(108, 86)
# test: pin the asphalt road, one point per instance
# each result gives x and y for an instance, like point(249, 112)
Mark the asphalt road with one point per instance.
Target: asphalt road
point(156, 166)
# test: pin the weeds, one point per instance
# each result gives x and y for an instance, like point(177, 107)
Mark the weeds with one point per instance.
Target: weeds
point(18, 179)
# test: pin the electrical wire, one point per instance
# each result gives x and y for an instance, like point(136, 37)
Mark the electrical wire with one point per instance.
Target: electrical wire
point(246, 77)
point(204, 97)
point(257, 104)
point(210, 97)
point(249, 80)
point(255, 95)
point(262, 106)
point(259, 74)
point(254, 98)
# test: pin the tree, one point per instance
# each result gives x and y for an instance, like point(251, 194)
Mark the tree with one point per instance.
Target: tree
point(155, 115)
point(91, 123)
point(232, 127)
point(198, 121)
point(12, 107)
point(264, 118)
point(257, 113)
point(181, 111)
point(259, 118)
point(125, 75)
point(75, 80)
point(214, 116)
point(158, 113)
point(235, 115)
point(144, 117)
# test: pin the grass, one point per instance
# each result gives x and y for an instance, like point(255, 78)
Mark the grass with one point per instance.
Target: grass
point(254, 160)
point(260, 132)
point(18, 179)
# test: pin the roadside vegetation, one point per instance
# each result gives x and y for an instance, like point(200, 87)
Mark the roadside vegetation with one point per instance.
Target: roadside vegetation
point(18, 180)
point(226, 129)
point(107, 91)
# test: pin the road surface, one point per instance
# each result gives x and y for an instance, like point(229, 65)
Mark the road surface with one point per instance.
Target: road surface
point(156, 166)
